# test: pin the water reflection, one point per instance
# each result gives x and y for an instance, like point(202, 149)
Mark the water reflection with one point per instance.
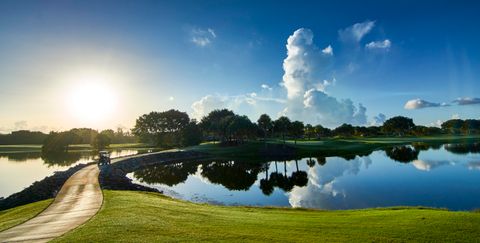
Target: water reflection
point(62, 158)
point(473, 165)
point(21, 157)
point(429, 175)
point(427, 165)
point(20, 169)
point(459, 148)
point(403, 154)
point(233, 175)
point(170, 175)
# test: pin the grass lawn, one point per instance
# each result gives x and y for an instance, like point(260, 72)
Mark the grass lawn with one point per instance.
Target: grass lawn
point(138, 216)
point(18, 215)
point(20, 148)
point(75, 147)
point(328, 146)
point(112, 146)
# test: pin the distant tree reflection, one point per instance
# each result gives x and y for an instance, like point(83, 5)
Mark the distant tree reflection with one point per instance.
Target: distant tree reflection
point(463, 148)
point(404, 154)
point(167, 174)
point(311, 162)
point(60, 158)
point(422, 146)
point(266, 185)
point(233, 175)
point(321, 161)
point(21, 157)
point(282, 180)
point(299, 178)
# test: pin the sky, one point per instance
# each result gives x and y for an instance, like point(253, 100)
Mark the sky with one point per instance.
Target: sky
point(102, 64)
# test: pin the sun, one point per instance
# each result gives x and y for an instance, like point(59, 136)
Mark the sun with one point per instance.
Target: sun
point(91, 99)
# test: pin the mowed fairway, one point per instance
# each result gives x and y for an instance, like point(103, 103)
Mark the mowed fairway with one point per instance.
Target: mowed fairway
point(138, 216)
point(18, 215)
point(326, 147)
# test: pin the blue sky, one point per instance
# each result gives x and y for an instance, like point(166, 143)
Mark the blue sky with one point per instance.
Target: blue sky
point(200, 55)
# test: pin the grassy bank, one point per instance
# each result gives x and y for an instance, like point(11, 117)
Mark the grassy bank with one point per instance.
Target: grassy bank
point(132, 216)
point(18, 215)
point(23, 148)
point(75, 147)
point(328, 146)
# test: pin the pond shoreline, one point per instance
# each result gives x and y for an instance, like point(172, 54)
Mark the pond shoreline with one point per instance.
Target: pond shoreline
point(114, 176)
point(40, 190)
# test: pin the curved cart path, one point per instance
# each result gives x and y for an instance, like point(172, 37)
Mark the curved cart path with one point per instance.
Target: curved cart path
point(79, 199)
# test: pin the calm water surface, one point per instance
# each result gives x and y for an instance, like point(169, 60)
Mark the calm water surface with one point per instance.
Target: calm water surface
point(20, 170)
point(446, 176)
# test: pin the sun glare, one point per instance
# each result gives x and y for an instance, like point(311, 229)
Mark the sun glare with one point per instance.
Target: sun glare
point(91, 99)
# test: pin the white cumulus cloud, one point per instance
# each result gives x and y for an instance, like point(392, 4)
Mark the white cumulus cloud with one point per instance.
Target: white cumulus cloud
point(308, 72)
point(357, 31)
point(419, 104)
point(298, 64)
point(386, 44)
point(329, 110)
point(328, 50)
point(250, 104)
point(304, 80)
point(266, 86)
point(207, 104)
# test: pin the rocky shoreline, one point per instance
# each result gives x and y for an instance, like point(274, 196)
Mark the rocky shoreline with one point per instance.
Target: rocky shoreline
point(114, 176)
point(40, 190)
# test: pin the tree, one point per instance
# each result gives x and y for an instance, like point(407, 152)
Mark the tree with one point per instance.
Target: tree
point(59, 141)
point(191, 134)
point(398, 125)
point(321, 131)
point(361, 131)
point(109, 133)
point(101, 141)
point(161, 128)
point(216, 123)
point(23, 137)
point(282, 126)
point(240, 127)
point(345, 130)
point(85, 135)
point(297, 130)
point(471, 126)
point(309, 131)
point(265, 123)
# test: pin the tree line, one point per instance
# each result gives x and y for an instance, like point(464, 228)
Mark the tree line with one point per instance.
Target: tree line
point(59, 141)
point(174, 128)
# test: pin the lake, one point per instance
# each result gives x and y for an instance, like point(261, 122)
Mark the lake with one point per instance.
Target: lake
point(443, 176)
point(19, 170)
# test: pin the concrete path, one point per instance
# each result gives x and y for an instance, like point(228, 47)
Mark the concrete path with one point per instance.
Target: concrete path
point(79, 199)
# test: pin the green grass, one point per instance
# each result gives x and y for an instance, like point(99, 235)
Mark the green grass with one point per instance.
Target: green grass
point(149, 217)
point(112, 146)
point(20, 148)
point(326, 147)
point(74, 147)
point(18, 215)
